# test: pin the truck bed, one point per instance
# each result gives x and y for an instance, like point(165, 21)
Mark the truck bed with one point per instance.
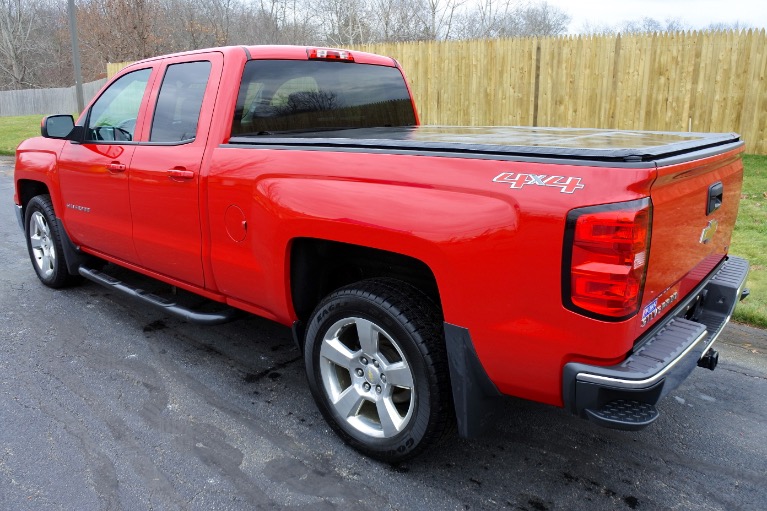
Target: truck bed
point(618, 148)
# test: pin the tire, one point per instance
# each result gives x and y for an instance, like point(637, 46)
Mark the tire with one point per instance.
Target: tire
point(44, 243)
point(377, 368)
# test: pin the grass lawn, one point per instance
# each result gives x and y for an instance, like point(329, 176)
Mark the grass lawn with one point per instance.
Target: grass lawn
point(749, 239)
point(15, 129)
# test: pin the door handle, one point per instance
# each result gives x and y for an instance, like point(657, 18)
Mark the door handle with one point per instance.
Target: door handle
point(715, 197)
point(116, 167)
point(180, 174)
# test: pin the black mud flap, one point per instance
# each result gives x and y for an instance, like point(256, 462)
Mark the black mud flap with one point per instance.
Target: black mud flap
point(474, 395)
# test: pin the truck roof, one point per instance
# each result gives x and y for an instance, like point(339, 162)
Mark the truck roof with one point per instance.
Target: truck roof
point(580, 144)
point(299, 53)
point(276, 51)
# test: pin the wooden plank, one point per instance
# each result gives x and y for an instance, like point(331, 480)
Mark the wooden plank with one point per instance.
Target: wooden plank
point(756, 133)
point(739, 61)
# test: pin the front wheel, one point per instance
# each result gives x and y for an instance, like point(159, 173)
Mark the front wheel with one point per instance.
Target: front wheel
point(44, 243)
point(376, 364)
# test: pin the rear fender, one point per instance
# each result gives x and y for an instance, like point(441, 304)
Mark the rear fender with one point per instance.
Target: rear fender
point(381, 215)
point(383, 219)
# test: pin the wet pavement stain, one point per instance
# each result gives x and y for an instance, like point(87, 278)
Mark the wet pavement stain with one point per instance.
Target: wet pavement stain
point(155, 326)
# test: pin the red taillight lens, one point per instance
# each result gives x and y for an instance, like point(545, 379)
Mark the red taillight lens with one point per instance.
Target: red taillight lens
point(324, 54)
point(605, 259)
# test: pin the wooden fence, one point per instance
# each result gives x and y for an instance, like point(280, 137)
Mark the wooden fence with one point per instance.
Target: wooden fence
point(699, 81)
point(45, 101)
point(693, 81)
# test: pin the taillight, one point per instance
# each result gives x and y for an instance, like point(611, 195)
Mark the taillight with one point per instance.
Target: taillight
point(324, 54)
point(605, 259)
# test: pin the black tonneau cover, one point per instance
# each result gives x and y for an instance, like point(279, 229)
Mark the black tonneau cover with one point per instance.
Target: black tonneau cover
point(558, 143)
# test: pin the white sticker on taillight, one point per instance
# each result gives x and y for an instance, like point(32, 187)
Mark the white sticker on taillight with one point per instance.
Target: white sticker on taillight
point(640, 259)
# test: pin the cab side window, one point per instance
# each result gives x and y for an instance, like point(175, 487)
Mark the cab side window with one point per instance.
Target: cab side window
point(178, 106)
point(113, 116)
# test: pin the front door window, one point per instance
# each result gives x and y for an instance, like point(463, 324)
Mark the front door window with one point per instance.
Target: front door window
point(113, 116)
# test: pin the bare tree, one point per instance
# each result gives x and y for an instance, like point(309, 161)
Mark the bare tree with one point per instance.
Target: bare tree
point(346, 22)
point(55, 42)
point(490, 19)
point(119, 30)
point(543, 19)
point(277, 22)
point(647, 25)
point(19, 45)
point(437, 18)
point(639, 26)
point(395, 20)
point(221, 13)
point(732, 25)
point(589, 28)
point(188, 25)
point(509, 18)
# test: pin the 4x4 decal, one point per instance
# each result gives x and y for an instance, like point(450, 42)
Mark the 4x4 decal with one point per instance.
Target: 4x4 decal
point(565, 184)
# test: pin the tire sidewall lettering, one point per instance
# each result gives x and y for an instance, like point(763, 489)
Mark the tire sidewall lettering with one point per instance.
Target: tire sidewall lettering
point(329, 309)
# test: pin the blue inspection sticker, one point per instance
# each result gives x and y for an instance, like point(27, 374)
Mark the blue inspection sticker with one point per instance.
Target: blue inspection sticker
point(649, 308)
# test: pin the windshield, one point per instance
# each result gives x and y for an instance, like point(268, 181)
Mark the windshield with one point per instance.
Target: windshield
point(297, 95)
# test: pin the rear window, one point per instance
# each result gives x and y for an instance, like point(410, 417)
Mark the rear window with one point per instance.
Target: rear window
point(296, 95)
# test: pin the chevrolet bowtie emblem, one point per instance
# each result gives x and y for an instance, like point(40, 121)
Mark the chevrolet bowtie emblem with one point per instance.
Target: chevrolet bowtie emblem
point(708, 232)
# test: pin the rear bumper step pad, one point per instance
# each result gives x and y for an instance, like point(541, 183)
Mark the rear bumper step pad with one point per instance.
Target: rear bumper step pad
point(616, 396)
point(624, 414)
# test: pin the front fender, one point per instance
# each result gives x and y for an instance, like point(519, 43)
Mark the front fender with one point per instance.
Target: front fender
point(37, 162)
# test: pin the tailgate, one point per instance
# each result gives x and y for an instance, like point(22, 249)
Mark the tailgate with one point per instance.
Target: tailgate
point(695, 205)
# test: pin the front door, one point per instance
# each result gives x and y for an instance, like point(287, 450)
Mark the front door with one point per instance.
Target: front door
point(93, 175)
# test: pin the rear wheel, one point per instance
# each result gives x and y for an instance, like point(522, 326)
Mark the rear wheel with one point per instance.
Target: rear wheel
point(376, 364)
point(44, 243)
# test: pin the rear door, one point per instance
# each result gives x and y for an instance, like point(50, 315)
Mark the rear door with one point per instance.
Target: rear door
point(165, 171)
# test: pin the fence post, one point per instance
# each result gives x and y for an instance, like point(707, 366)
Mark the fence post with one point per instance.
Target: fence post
point(537, 91)
point(614, 93)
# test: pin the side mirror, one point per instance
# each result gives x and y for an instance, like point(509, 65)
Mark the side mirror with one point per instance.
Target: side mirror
point(57, 126)
point(62, 127)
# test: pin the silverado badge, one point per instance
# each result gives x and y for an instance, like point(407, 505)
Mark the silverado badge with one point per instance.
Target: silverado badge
point(659, 304)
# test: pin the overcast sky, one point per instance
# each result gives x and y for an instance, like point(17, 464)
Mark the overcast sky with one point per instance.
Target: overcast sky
point(696, 13)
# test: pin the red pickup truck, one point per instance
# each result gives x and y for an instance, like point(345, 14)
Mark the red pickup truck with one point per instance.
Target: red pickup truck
point(426, 270)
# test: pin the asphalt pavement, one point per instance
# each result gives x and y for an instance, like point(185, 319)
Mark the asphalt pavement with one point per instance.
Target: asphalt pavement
point(106, 404)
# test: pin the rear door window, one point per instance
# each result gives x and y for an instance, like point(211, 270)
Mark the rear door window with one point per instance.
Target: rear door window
point(178, 106)
point(296, 95)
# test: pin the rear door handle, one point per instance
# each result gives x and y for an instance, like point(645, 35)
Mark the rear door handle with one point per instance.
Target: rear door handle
point(180, 174)
point(116, 167)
